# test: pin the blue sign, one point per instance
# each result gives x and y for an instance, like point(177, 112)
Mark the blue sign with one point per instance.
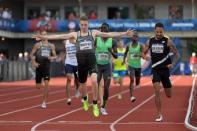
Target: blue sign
point(115, 25)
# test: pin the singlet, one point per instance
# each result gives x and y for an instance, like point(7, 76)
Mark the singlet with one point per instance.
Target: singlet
point(85, 44)
point(134, 56)
point(70, 53)
point(118, 62)
point(103, 56)
point(43, 53)
point(159, 52)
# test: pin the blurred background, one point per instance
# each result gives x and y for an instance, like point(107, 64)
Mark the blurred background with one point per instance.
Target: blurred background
point(19, 19)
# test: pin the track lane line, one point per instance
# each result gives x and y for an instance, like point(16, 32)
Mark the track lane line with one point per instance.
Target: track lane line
point(112, 128)
point(78, 109)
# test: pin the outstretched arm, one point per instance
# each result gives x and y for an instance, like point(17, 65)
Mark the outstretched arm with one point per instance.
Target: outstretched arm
point(112, 34)
point(56, 37)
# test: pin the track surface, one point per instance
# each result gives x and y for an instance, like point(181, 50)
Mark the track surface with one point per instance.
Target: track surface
point(20, 108)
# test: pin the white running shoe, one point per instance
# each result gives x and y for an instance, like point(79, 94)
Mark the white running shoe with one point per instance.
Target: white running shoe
point(137, 87)
point(119, 96)
point(77, 93)
point(44, 105)
point(133, 99)
point(68, 101)
point(103, 111)
point(159, 119)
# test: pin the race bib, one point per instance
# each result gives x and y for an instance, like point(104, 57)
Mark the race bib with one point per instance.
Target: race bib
point(134, 56)
point(71, 55)
point(45, 53)
point(103, 56)
point(120, 57)
point(157, 48)
point(86, 45)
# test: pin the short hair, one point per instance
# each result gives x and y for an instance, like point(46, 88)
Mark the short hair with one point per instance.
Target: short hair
point(104, 24)
point(84, 18)
point(42, 31)
point(135, 33)
point(159, 25)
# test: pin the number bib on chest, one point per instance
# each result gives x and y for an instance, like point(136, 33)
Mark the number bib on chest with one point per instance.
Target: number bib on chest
point(157, 48)
point(72, 55)
point(86, 45)
point(45, 53)
point(134, 56)
point(103, 56)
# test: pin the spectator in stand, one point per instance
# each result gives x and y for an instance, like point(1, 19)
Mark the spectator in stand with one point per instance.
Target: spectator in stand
point(1, 12)
point(193, 64)
point(93, 15)
point(117, 15)
point(71, 16)
point(5, 14)
point(20, 57)
point(1, 57)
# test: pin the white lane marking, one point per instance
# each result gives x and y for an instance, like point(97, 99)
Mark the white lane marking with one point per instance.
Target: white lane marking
point(18, 92)
point(91, 123)
point(78, 109)
point(31, 97)
point(132, 110)
point(24, 109)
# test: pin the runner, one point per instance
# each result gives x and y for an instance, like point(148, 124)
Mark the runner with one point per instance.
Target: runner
point(119, 68)
point(105, 47)
point(41, 55)
point(71, 68)
point(134, 51)
point(160, 47)
point(86, 57)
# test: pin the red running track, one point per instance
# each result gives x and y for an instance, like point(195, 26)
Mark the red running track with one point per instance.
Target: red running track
point(20, 108)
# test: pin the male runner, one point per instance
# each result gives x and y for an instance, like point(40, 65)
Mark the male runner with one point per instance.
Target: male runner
point(41, 55)
point(71, 68)
point(86, 56)
point(105, 47)
point(160, 47)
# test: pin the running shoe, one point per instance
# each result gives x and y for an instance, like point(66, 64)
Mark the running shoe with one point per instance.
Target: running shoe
point(44, 105)
point(68, 101)
point(103, 111)
point(133, 99)
point(95, 110)
point(159, 119)
point(85, 104)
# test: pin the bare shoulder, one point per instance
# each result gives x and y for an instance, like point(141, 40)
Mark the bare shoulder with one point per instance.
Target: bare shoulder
point(95, 32)
point(52, 45)
point(147, 42)
point(37, 45)
point(169, 43)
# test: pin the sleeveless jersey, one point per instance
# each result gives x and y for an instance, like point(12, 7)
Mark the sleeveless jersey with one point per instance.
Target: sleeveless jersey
point(103, 56)
point(134, 58)
point(118, 62)
point(85, 44)
point(70, 53)
point(43, 53)
point(159, 52)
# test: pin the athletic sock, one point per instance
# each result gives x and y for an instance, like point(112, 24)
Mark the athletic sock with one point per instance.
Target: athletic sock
point(94, 102)
point(104, 103)
point(85, 98)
